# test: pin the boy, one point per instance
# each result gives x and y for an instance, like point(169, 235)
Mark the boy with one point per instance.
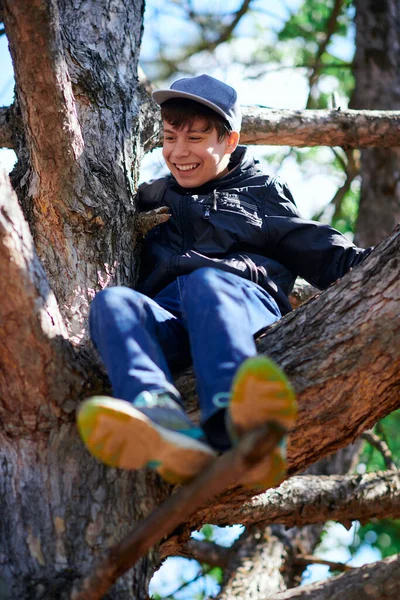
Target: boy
point(212, 276)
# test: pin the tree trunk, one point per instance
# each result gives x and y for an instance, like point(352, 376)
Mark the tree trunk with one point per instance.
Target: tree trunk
point(377, 74)
point(75, 67)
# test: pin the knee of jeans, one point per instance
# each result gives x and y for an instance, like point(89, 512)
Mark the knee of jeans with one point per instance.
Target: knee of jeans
point(203, 277)
point(110, 299)
point(200, 286)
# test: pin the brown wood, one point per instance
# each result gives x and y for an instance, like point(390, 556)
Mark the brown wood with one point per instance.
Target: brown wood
point(223, 472)
point(377, 581)
point(377, 79)
point(6, 130)
point(304, 500)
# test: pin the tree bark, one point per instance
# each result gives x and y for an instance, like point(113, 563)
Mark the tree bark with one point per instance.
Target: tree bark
point(305, 500)
point(276, 127)
point(346, 128)
point(304, 128)
point(75, 69)
point(377, 581)
point(6, 130)
point(377, 75)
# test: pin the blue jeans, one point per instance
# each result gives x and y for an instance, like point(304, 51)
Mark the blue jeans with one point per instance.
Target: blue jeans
point(209, 317)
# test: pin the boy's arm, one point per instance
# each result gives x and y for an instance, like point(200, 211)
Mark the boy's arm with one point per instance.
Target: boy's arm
point(316, 252)
point(151, 193)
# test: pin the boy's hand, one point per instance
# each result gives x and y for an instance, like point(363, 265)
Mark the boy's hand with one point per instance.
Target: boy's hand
point(149, 219)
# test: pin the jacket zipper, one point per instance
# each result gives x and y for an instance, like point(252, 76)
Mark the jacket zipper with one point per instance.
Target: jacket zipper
point(214, 208)
point(183, 213)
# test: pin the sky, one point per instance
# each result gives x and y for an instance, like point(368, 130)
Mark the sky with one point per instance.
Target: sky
point(281, 88)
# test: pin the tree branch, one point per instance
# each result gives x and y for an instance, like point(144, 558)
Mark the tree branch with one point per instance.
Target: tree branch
point(303, 500)
point(6, 132)
point(204, 44)
point(227, 32)
point(223, 472)
point(307, 559)
point(305, 128)
point(44, 88)
point(37, 362)
point(379, 580)
point(346, 128)
point(204, 552)
point(381, 446)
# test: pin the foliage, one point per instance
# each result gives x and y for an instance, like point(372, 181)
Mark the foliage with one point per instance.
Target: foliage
point(382, 535)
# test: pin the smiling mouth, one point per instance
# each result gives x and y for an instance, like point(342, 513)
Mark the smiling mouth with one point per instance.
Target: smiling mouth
point(189, 167)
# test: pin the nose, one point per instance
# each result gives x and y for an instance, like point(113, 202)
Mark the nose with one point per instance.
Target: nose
point(181, 149)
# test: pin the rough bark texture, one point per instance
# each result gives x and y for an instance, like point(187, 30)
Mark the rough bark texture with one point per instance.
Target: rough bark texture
point(254, 552)
point(37, 360)
point(377, 74)
point(308, 499)
point(6, 131)
point(378, 581)
point(58, 506)
point(346, 128)
point(304, 128)
point(75, 66)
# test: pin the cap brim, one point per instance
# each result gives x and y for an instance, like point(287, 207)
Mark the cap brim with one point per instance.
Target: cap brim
point(161, 96)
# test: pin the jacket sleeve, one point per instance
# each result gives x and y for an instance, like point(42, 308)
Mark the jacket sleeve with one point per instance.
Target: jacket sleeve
point(316, 252)
point(150, 194)
point(279, 200)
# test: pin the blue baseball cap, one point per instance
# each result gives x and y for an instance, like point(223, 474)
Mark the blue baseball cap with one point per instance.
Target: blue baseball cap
point(209, 91)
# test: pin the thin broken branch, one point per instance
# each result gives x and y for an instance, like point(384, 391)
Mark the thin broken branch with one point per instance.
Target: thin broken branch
point(223, 472)
point(151, 218)
point(382, 447)
point(308, 559)
point(204, 552)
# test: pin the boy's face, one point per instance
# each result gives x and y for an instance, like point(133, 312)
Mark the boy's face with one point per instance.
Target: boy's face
point(194, 156)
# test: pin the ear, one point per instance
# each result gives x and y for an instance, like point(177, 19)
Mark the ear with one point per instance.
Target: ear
point(232, 141)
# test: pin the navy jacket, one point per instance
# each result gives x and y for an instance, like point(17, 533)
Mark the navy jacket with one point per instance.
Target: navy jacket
point(246, 223)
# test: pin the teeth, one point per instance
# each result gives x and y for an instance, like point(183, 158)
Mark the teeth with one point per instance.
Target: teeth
point(186, 167)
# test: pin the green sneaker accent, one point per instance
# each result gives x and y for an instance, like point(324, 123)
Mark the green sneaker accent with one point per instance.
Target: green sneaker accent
point(121, 435)
point(261, 394)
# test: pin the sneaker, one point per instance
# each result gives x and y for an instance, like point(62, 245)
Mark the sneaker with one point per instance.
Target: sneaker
point(152, 432)
point(261, 394)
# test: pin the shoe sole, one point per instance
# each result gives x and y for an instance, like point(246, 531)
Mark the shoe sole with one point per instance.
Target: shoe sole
point(119, 435)
point(261, 394)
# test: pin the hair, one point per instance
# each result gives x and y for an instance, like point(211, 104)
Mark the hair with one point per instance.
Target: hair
point(182, 112)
